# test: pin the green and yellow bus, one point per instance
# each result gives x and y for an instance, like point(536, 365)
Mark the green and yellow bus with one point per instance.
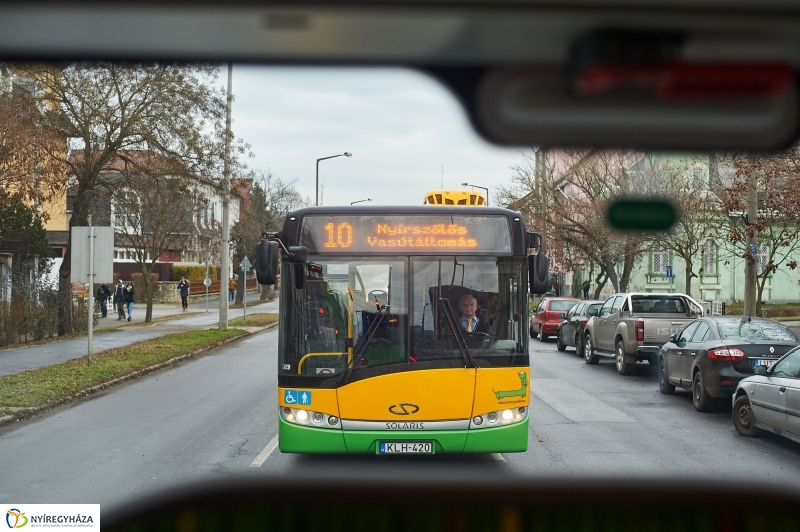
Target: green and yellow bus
point(377, 350)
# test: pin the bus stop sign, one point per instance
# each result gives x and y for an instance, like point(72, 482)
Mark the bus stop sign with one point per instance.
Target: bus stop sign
point(669, 272)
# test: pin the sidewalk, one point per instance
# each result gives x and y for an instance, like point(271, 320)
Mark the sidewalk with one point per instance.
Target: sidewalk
point(35, 356)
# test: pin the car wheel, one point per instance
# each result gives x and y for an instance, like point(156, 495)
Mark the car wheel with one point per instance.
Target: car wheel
point(702, 401)
point(533, 333)
point(588, 351)
point(743, 418)
point(623, 367)
point(543, 337)
point(578, 345)
point(663, 380)
point(559, 344)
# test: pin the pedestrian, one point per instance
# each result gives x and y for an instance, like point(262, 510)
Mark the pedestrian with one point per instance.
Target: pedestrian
point(183, 286)
point(129, 298)
point(119, 300)
point(585, 286)
point(231, 289)
point(103, 294)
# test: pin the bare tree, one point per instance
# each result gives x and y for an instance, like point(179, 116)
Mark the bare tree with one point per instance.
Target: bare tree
point(154, 208)
point(173, 110)
point(699, 209)
point(28, 171)
point(775, 231)
point(271, 199)
point(568, 200)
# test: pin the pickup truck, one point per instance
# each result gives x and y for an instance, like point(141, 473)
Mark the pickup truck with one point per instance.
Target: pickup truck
point(633, 327)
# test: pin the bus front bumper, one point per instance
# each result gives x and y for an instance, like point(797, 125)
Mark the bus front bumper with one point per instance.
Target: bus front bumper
point(311, 440)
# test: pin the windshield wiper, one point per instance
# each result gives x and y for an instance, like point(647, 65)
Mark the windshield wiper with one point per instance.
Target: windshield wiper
point(355, 362)
point(456, 330)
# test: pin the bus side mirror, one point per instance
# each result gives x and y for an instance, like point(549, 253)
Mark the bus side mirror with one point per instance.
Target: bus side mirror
point(538, 273)
point(267, 262)
point(297, 254)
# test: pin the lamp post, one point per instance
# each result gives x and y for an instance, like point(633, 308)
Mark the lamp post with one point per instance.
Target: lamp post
point(345, 154)
point(476, 186)
point(360, 201)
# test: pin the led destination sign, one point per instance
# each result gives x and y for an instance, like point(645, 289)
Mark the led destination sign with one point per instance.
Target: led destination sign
point(406, 234)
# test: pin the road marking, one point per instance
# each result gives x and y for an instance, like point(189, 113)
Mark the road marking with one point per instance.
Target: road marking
point(498, 457)
point(575, 404)
point(263, 455)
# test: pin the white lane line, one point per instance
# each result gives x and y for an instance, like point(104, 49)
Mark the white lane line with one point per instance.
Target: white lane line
point(575, 404)
point(498, 457)
point(263, 455)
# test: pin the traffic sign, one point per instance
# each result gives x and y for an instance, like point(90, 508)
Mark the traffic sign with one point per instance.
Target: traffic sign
point(207, 281)
point(669, 271)
point(754, 249)
point(245, 265)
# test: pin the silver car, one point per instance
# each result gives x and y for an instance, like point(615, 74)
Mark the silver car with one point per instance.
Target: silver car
point(770, 399)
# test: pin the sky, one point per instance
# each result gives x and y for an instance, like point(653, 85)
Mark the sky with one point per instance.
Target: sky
point(401, 127)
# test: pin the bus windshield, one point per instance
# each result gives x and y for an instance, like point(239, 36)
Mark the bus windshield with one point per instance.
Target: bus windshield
point(355, 313)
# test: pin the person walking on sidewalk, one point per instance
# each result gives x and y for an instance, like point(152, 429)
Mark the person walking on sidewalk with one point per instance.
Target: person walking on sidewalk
point(119, 298)
point(183, 286)
point(231, 289)
point(129, 298)
point(103, 294)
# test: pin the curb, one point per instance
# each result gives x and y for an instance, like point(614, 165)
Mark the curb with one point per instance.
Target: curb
point(27, 413)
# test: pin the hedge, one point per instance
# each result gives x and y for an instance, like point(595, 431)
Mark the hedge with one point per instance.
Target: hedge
point(192, 273)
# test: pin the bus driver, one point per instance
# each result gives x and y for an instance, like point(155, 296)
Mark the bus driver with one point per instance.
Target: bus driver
point(468, 305)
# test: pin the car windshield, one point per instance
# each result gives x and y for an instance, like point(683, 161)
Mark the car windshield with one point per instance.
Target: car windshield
point(559, 306)
point(756, 331)
point(124, 212)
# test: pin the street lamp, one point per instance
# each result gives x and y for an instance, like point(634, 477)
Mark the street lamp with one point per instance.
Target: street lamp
point(345, 154)
point(360, 201)
point(476, 186)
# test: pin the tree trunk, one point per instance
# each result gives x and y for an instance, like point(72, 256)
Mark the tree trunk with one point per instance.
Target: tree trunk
point(241, 285)
point(761, 284)
point(611, 273)
point(601, 283)
point(750, 268)
point(148, 290)
point(689, 274)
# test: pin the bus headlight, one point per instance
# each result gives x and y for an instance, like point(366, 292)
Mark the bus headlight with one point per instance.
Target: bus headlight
point(500, 417)
point(309, 417)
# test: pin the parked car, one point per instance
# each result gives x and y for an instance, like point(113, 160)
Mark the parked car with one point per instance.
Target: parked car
point(545, 319)
point(712, 355)
point(633, 327)
point(570, 331)
point(770, 399)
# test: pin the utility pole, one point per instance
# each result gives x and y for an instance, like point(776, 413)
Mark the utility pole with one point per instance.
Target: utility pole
point(226, 192)
point(751, 264)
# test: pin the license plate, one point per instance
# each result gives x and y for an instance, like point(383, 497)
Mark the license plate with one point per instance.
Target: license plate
point(759, 362)
point(405, 447)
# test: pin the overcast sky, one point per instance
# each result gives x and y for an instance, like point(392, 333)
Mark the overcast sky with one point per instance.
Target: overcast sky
point(400, 126)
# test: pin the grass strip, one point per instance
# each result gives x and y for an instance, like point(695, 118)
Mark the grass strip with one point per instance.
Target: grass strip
point(49, 383)
point(171, 317)
point(255, 320)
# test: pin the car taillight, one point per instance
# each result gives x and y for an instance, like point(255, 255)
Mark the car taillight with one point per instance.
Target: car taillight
point(726, 354)
point(640, 330)
point(584, 321)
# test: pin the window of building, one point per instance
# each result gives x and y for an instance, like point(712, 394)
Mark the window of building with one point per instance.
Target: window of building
point(697, 178)
point(762, 257)
point(660, 259)
point(710, 258)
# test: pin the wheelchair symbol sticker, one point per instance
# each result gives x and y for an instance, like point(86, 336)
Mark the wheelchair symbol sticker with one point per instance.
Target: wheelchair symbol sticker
point(290, 397)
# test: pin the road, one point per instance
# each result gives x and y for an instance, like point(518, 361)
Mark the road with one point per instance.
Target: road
point(216, 416)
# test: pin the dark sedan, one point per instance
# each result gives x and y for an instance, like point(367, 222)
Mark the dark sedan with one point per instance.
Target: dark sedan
point(711, 355)
point(570, 331)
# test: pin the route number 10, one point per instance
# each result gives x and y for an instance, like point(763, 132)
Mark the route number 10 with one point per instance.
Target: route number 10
point(340, 236)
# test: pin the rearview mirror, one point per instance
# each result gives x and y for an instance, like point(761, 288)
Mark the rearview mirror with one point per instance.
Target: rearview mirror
point(760, 370)
point(267, 262)
point(562, 316)
point(673, 338)
point(538, 273)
